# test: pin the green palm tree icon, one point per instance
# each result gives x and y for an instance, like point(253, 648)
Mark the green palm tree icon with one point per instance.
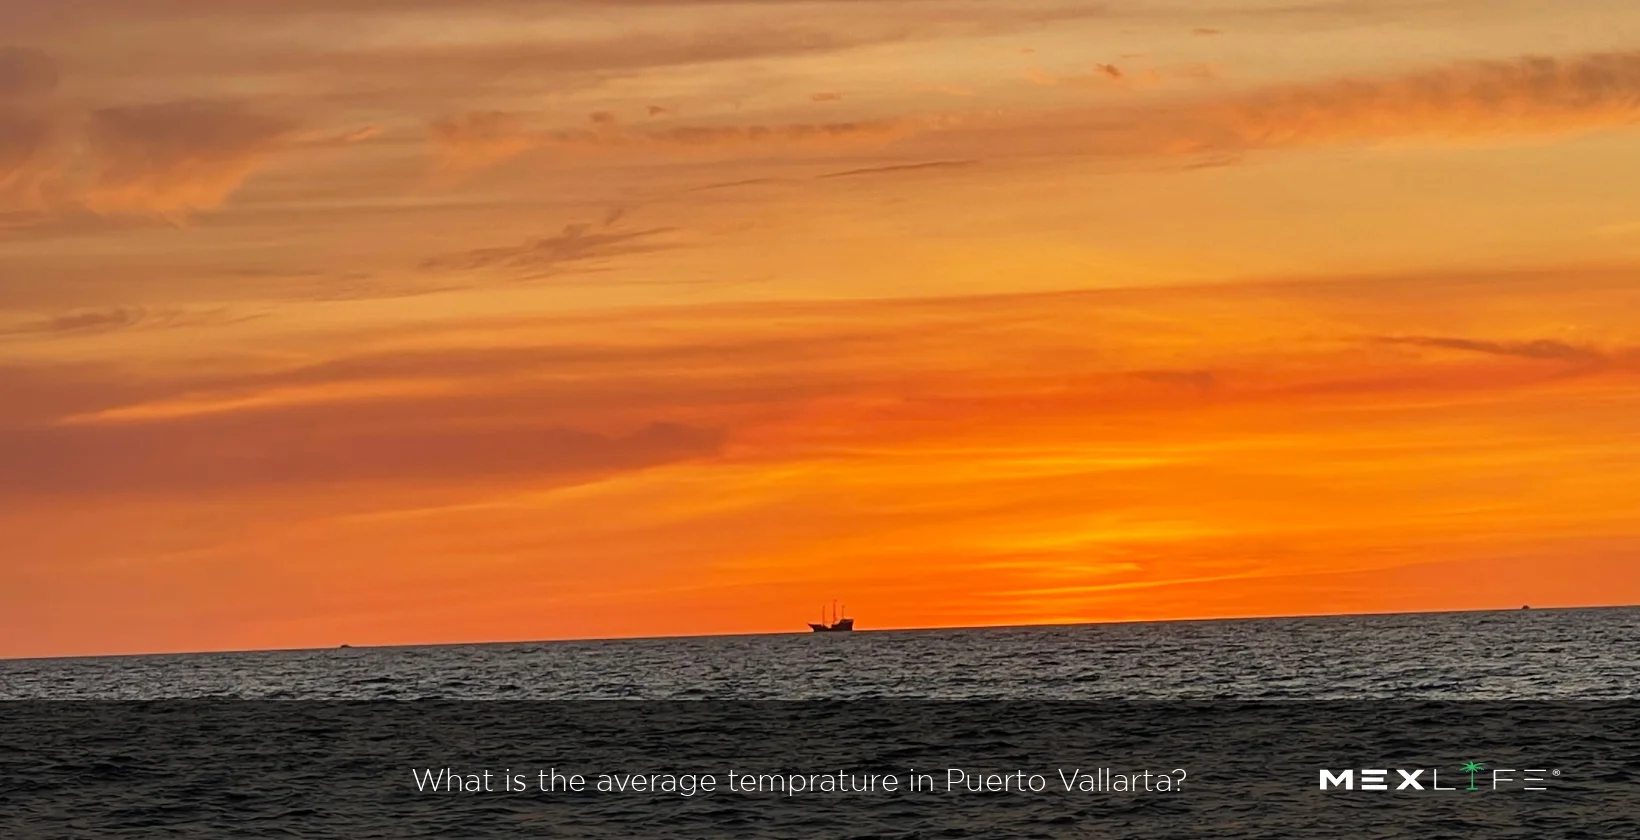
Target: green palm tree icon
point(1472, 768)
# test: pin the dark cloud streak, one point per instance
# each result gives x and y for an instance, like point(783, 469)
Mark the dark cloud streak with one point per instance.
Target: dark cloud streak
point(577, 243)
point(120, 318)
point(1542, 349)
point(315, 446)
point(902, 167)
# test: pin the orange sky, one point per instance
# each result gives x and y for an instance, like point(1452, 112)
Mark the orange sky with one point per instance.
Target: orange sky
point(399, 321)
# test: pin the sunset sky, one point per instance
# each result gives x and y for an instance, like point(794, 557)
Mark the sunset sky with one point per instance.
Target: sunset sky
point(405, 321)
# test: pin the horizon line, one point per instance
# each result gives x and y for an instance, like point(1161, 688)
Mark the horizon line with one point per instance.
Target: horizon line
point(911, 629)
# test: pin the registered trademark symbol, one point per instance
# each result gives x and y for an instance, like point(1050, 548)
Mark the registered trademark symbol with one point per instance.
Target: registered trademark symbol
point(1554, 772)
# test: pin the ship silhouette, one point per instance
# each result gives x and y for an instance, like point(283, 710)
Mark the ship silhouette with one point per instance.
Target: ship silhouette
point(838, 623)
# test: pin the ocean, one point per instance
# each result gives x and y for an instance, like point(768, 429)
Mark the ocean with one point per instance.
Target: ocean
point(1520, 724)
point(1516, 654)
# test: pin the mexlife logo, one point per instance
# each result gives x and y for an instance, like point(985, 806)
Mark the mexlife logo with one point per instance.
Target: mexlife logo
point(1429, 779)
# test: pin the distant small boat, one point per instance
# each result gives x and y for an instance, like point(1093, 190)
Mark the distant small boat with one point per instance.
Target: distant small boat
point(838, 623)
point(345, 647)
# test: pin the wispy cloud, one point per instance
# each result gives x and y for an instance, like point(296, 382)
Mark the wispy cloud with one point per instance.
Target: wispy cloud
point(1203, 380)
point(576, 243)
point(1111, 76)
point(31, 132)
point(477, 139)
point(175, 157)
point(902, 167)
point(1532, 94)
point(1543, 349)
point(84, 321)
point(1465, 101)
point(164, 159)
point(30, 153)
point(256, 449)
point(90, 320)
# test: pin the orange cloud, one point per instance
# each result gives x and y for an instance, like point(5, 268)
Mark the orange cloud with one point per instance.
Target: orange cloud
point(1546, 349)
point(1529, 95)
point(165, 159)
point(1532, 94)
point(188, 456)
point(1106, 76)
point(176, 157)
point(477, 139)
point(577, 243)
point(25, 72)
point(897, 168)
point(483, 138)
point(30, 149)
point(358, 135)
point(91, 321)
point(31, 133)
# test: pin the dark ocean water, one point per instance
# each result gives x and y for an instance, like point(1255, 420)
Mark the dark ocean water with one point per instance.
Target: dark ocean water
point(326, 744)
point(1586, 653)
